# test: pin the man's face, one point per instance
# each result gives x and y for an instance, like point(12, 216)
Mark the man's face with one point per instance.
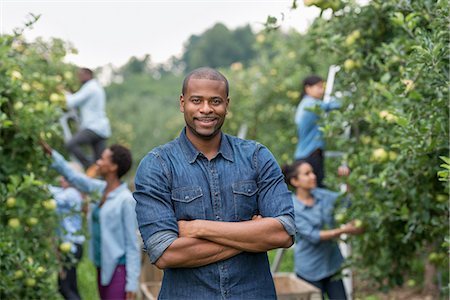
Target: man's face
point(204, 105)
point(316, 91)
point(83, 76)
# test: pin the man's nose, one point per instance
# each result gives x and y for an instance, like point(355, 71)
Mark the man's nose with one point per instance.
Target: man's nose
point(205, 107)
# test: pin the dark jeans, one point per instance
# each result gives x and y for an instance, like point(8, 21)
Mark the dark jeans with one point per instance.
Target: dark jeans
point(67, 282)
point(333, 288)
point(86, 137)
point(317, 163)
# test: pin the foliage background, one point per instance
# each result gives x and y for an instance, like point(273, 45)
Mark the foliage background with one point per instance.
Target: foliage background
point(394, 59)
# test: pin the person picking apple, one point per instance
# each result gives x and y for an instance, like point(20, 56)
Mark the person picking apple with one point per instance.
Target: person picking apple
point(114, 246)
point(317, 258)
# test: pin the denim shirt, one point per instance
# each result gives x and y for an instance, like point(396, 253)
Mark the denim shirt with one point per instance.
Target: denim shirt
point(177, 182)
point(91, 101)
point(309, 135)
point(118, 224)
point(69, 202)
point(315, 259)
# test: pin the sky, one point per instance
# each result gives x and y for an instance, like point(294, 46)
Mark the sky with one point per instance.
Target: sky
point(107, 32)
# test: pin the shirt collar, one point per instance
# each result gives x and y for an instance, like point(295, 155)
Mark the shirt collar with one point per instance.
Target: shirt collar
point(192, 153)
point(117, 190)
point(301, 205)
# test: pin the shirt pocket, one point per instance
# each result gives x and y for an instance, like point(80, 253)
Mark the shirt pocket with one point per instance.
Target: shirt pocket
point(188, 203)
point(245, 199)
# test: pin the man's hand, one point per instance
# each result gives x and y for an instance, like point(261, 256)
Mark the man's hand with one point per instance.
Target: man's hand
point(47, 149)
point(130, 296)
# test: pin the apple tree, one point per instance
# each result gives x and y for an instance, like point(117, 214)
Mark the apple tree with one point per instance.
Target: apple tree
point(395, 72)
point(30, 74)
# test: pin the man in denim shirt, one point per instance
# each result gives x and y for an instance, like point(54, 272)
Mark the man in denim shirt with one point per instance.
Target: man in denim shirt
point(209, 205)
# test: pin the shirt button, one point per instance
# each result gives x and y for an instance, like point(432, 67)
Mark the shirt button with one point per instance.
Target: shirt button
point(249, 190)
point(216, 194)
point(186, 197)
point(217, 217)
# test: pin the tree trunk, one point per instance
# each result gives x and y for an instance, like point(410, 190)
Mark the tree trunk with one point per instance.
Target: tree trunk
point(430, 288)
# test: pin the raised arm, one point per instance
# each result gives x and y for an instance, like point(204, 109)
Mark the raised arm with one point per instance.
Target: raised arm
point(78, 98)
point(79, 180)
point(257, 235)
point(76, 179)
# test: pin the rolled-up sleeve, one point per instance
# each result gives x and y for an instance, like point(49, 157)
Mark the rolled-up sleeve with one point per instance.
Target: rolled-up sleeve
point(274, 198)
point(288, 224)
point(158, 243)
point(156, 218)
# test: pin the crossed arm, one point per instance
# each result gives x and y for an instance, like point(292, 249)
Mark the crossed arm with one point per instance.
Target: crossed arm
point(202, 242)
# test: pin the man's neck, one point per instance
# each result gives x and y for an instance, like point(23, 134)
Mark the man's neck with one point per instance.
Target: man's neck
point(209, 147)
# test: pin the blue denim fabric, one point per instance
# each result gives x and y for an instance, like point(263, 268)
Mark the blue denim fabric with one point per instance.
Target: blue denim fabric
point(316, 259)
point(177, 182)
point(309, 135)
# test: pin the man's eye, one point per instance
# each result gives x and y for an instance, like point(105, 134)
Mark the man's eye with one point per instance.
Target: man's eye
point(195, 100)
point(216, 101)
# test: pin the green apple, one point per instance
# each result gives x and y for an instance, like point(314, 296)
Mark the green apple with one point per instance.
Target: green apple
point(40, 270)
point(13, 223)
point(379, 155)
point(10, 202)
point(18, 105)
point(26, 87)
point(339, 217)
point(16, 75)
point(18, 274)
point(358, 223)
point(68, 75)
point(30, 282)
point(393, 155)
point(411, 283)
point(65, 247)
point(349, 64)
point(32, 221)
point(442, 198)
point(49, 204)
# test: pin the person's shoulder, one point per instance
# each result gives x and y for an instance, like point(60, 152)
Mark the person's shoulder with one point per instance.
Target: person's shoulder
point(127, 195)
point(243, 145)
point(325, 193)
point(161, 151)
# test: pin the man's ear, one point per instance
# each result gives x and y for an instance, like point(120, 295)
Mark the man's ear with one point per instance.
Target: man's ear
point(182, 103)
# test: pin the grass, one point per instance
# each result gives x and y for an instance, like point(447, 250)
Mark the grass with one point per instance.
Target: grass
point(87, 277)
point(287, 262)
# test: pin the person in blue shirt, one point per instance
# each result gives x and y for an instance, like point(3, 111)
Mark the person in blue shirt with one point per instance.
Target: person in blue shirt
point(94, 128)
point(210, 205)
point(311, 143)
point(317, 258)
point(114, 245)
point(69, 202)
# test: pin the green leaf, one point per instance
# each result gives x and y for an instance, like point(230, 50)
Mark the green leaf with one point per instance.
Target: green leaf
point(445, 159)
point(402, 121)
